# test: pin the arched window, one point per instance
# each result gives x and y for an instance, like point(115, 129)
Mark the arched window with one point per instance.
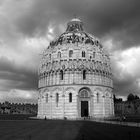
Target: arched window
point(97, 97)
point(61, 75)
point(46, 98)
point(93, 54)
point(70, 97)
point(50, 56)
point(70, 53)
point(57, 97)
point(84, 74)
point(97, 42)
point(83, 54)
point(59, 55)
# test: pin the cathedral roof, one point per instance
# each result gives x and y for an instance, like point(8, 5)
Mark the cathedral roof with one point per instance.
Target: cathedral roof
point(75, 34)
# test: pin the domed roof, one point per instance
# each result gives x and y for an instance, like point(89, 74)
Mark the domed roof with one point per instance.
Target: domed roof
point(75, 34)
point(76, 19)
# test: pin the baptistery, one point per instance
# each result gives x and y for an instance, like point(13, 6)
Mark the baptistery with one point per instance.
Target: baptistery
point(75, 78)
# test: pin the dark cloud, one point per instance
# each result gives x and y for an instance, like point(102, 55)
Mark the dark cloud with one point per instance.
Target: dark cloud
point(123, 86)
point(120, 19)
point(16, 77)
point(116, 20)
point(125, 68)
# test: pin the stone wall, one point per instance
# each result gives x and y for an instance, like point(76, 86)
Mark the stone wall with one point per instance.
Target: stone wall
point(51, 109)
point(97, 68)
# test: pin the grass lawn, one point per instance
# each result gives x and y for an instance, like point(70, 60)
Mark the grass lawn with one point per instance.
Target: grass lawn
point(65, 130)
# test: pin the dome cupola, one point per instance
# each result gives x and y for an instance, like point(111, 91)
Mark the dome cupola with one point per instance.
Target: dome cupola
point(75, 25)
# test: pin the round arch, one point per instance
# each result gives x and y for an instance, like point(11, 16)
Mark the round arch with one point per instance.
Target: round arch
point(84, 102)
point(84, 92)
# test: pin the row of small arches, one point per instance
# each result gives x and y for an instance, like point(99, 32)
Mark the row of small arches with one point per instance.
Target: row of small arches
point(83, 95)
point(84, 74)
point(57, 97)
point(62, 75)
point(71, 54)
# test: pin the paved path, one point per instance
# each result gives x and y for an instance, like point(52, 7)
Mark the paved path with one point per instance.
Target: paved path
point(119, 123)
point(109, 122)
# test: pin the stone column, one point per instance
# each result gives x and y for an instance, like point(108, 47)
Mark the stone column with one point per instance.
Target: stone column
point(45, 80)
point(43, 106)
point(42, 81)
point(74, 77)
point(112, 106)
point(51, 78)
point(57, 78)
point(70, 77)
point(53, 74)
point(78, 76)
point(48, 78)
point(92, 106)
point(63, 104)
point(110, 111)
point(39, 82)
point(51, 107)
point(103, 106)
point(78, 111)
point(50, 83)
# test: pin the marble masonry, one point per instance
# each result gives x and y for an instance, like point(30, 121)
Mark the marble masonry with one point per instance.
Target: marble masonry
point(75, 78)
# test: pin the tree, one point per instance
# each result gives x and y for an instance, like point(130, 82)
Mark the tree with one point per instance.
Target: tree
point(117, 99)
point(130, 97)
point(136, 97)
point(136, 104)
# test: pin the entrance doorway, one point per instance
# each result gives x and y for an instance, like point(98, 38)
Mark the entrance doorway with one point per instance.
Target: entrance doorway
point(84, 108)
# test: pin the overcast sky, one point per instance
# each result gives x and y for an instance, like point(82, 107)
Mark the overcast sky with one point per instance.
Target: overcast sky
point(27, 26)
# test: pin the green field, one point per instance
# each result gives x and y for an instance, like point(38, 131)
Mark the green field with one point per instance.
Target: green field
point(65, 130)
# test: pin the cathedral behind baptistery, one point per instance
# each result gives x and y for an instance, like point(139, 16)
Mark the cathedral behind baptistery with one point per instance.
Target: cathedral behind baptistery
point(75, 78)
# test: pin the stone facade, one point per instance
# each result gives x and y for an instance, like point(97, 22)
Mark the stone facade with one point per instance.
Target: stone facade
point(75, 78)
